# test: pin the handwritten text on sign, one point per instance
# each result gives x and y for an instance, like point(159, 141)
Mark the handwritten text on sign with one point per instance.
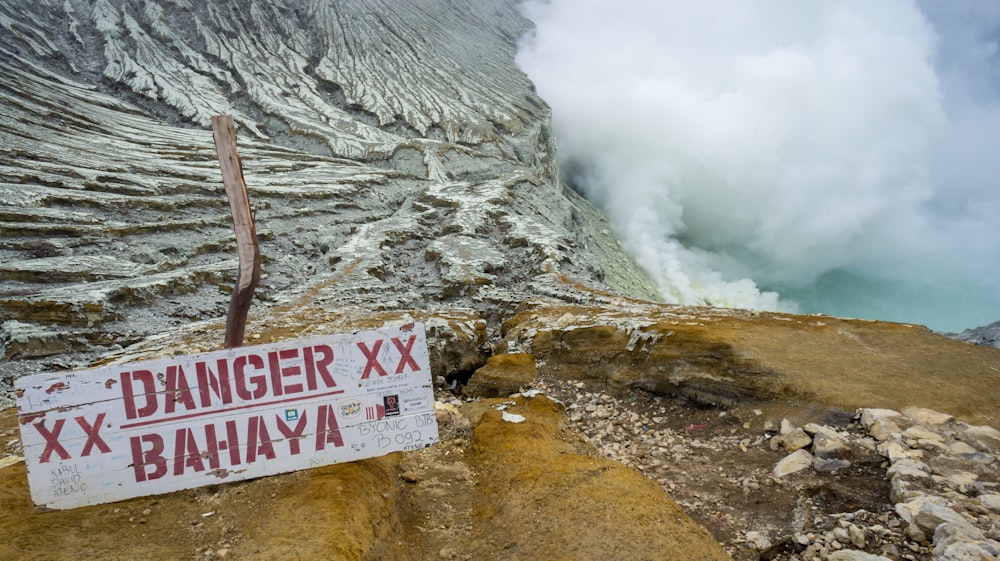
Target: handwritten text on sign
point(138, 429)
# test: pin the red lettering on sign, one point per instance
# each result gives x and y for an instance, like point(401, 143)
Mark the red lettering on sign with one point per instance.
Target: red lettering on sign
point(58, 386)
point(186, 452)
point(52, 441)
point(259, 382)
point(93, 438)
point(405, 358)
point(142, 458)
point(372, 356)
point(211, 447)
point(232, 443)
point(274, 359)
point(217, 384)
point(327, 430)
point(314, 366)
point(177, 390)
point(293, 435)
point(258, 440)
point(148, 392)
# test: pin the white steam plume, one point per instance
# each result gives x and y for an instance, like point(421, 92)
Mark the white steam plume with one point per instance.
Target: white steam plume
point(844, 152)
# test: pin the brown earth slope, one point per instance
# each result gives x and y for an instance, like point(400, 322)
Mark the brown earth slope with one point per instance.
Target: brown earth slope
point(725, 357)
point(537, 489)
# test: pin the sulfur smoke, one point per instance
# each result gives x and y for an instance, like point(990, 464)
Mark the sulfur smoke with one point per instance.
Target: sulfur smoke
point(825, 156)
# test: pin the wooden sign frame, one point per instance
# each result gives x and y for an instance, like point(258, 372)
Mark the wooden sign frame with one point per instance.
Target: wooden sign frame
point(130, 430)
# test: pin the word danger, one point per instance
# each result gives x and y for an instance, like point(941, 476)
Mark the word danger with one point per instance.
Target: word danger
point(123, 431)
point(248, 377)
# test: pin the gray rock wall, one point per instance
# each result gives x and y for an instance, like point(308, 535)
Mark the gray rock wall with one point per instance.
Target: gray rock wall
point(395, 155)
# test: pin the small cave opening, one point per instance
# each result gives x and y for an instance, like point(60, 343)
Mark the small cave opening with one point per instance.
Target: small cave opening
point(455, 381)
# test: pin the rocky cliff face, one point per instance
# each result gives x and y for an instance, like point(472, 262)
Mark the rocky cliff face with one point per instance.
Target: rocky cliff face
point(395, 156)
point(402, 168)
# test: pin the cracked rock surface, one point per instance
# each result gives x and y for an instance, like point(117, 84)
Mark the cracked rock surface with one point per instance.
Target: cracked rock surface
point(395, 159)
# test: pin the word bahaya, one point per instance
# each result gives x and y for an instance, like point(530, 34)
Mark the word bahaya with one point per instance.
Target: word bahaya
point(244, 441)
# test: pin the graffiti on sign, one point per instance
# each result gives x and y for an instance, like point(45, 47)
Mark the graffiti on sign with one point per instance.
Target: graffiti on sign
point(124, 431)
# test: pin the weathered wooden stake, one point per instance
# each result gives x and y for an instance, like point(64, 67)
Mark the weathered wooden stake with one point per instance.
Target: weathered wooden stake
point(224, 132)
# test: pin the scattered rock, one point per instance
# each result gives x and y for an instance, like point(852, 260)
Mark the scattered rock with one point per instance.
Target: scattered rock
point(857, 536)
point(830, 464)
point(869, 416)
point(794, 462)
point(987, 437)
point(990, 501)
point(884, 429)
point(830, 446)
point(920, 437)
point(448, 416)
point(959, 448)
point(954, 542)
point(757, 540)
point(791, 441)
point(924, 514)
point(896, 450)
point(512, 417)
point(908, 467)
point(924, 416)
point(786, 426)
point(852, 555)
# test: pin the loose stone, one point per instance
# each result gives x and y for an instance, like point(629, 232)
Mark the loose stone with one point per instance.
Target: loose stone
point(857, 536)
point(869, 416)
point(895, 451)
point(925, 416)
point(853, 555)
point(794, 462)
point(990, 501)
point(884, 429)
point(829, 445)
point(791, 441)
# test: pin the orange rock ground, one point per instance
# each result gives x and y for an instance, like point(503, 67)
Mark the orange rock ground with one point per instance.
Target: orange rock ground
point(532, 490)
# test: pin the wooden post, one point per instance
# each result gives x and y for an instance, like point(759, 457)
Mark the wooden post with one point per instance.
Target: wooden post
point(224, 132)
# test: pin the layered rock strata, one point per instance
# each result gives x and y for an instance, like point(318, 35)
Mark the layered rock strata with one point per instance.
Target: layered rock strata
point(394, 155)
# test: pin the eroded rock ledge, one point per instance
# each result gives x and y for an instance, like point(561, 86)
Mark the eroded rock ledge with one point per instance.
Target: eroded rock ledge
point(888, 475)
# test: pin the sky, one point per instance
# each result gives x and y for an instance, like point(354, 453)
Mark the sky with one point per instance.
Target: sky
point(823, 157)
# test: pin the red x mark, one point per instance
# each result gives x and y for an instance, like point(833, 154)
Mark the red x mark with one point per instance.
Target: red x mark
point(52, 444)
point(404, 354)
point(52, 441)
point(372, 356)
point(93, 439)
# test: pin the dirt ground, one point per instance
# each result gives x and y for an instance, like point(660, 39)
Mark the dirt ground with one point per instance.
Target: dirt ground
point(498, 490)
point(603, 474)
point(232, 521)
point(718, 466)
point(548, 488)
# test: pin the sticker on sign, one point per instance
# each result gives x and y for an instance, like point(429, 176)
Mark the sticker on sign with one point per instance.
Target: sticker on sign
point(122, 431)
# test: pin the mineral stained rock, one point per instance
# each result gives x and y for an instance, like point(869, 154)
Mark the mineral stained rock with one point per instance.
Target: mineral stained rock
point(395, 156)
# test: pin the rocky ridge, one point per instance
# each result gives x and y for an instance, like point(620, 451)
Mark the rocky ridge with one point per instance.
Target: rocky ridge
point(988, 335)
